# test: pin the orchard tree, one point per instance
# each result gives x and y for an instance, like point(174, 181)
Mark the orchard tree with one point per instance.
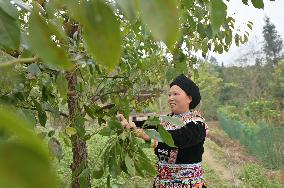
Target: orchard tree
point(83, 61)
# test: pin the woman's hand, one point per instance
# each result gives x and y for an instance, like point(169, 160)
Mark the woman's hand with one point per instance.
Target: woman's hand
point(124, 123)
point(130, 125)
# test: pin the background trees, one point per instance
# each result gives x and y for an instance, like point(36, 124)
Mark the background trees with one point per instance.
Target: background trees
point(76, 63)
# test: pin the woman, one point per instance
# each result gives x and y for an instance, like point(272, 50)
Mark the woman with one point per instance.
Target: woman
point(179, 166)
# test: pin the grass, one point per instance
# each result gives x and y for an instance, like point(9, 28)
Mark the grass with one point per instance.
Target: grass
point(254, 176)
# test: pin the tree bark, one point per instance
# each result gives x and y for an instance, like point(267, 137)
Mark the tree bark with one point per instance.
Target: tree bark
point(79, 148)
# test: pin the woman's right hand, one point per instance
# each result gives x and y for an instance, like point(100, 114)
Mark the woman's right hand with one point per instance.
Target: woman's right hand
point(124, 123)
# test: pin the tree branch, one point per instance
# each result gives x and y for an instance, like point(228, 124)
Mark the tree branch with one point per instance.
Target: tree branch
point(15, 61)
point(97, 97)
point(33, 108)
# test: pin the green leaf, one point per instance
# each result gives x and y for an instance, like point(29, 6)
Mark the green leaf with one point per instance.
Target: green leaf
point(172, 120)
point(21, 162)
point(39, 38)
point(101, 32)
point(112, 163)
point(22, 167)
point(249, 24)
point(147, 166)
point(61, 85)
point(154, 135)
point(42, 118)
point(129, 8)
point(79, 125)
point(191, 22)
point(33, 69)
point(228, 37)
point(55, 148)
point(166, 136)
point(258, 4)
point(84, 178)
point(70, 131)
point(114, 124)
point(218, 13)
point(98, 172)
point(105, 131)
point(187, 3)
point(65, 139)
point(16, 125)
point(51, 133)
point(41, 113)
point(10, 9)
point(108, 181)
point(129, 164)
point(153, 121)
point(245, 2)
point(237, 40)
point(89, 111)
point(162, 19)
point(9, 31)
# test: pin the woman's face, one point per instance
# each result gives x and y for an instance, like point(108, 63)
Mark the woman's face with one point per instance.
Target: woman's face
point(178, 100)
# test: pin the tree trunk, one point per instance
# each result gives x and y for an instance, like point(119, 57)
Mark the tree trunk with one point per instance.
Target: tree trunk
point(79, 148)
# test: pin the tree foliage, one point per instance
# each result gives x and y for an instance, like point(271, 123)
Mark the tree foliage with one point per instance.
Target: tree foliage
point(82, 61)
point(273, 44)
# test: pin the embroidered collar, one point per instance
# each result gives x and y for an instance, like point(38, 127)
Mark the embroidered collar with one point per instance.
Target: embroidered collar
point(184, 114)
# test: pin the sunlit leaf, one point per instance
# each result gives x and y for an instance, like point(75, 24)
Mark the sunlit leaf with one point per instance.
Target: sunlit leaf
point(218, 13)
point(161, 16)
point(187, 3)
point(101, 32)
point(70, 131)
point(129, 8)
point(42, 44)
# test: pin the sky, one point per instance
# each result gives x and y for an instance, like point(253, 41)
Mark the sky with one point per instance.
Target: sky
point(243, 13)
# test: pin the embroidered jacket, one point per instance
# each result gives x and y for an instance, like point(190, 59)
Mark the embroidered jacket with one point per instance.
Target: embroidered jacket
point(189, 140)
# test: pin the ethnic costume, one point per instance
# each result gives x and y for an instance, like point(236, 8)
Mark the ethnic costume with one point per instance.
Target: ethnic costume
point(180, 167)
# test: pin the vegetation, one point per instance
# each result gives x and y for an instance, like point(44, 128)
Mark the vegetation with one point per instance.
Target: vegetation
point(68, 66)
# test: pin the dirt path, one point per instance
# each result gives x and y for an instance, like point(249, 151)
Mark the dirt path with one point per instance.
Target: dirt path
point(233, 155)
point(219, 168)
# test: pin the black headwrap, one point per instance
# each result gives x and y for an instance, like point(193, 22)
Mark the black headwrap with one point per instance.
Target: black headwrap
point(190, 88)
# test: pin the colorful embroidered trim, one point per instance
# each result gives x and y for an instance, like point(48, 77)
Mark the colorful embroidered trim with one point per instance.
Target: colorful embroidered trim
point(185, 118)
point(179, 175)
